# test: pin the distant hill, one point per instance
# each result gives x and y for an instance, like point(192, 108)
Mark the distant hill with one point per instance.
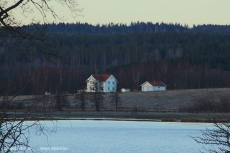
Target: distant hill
point(133, 27)
point(179, 56)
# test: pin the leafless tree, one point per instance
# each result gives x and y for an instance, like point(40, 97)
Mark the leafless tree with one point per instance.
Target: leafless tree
point(82, 97)
point(116, 99)
point(217, 138)
point(162, 69)
point(61, 101)
point(13, 126)
point(45, 7)
point(97, 96)
point(12, 122)
point(136, 73)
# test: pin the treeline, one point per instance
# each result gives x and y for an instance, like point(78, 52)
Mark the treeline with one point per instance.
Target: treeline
point(103, 51)
point(177, 75)
point(182, 60)
point(112, 28)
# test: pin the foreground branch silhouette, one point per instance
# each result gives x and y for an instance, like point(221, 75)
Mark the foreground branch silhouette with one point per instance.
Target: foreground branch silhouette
point(13, 113)
point(216, 139)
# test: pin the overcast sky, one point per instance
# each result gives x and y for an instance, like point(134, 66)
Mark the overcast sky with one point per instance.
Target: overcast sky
point(168, 11)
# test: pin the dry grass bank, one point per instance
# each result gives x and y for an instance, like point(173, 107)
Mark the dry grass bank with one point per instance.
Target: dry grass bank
point(158, 101)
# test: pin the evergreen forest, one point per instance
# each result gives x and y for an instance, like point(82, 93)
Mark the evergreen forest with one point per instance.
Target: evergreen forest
point(179, 56)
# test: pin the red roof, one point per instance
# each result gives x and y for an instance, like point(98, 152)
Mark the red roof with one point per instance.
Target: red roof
point(101, 77)
point(156, 83)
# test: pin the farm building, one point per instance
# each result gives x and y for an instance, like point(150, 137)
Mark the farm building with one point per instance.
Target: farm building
point(153, 86)
point(125, 90)
point(101, 83)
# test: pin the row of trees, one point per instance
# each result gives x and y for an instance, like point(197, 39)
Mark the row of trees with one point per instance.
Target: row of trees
point(179, 75)
point(176, 75)
point(133, 27)
point(118, 49)
point(181, 60)
point(97, 97)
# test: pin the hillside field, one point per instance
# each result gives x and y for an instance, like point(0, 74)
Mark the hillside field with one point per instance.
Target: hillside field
point(155, 101)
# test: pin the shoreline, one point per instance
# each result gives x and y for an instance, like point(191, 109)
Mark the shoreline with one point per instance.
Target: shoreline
point(131, 116)
point(124, 119)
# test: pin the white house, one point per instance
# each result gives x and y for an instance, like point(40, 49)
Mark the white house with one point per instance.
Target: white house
point(153, 86)
point(101, 83)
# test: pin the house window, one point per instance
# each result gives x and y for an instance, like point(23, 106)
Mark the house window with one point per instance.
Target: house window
point(108, 88)
point(113, 88)
point(108, 82)
point(113, 82)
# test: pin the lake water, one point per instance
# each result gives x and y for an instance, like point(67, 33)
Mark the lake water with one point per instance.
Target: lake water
point(87, 136)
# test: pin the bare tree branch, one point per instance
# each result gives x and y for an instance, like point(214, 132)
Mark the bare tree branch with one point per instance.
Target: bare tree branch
point(13, 125)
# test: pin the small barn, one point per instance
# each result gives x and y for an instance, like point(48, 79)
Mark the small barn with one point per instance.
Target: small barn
point(153, 86)
point(125, 90)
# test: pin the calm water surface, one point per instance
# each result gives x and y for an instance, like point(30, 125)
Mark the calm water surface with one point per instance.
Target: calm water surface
point(118, 137)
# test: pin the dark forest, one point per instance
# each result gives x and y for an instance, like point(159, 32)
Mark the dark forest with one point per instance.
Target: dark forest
point(179, 56)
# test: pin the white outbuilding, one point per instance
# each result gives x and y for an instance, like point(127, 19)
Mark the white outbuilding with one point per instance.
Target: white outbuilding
point(153, 86)
point(125, 90)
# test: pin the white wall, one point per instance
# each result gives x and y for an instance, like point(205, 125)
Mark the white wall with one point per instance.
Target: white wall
point(90, 84)
point(160, 88)
point(149, 87)
point(110, 85)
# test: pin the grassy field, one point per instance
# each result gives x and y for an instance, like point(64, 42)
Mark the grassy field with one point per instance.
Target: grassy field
point(158, 101)
point(160, 105)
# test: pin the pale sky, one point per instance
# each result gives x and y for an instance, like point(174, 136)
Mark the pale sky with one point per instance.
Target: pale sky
point(168, 11)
